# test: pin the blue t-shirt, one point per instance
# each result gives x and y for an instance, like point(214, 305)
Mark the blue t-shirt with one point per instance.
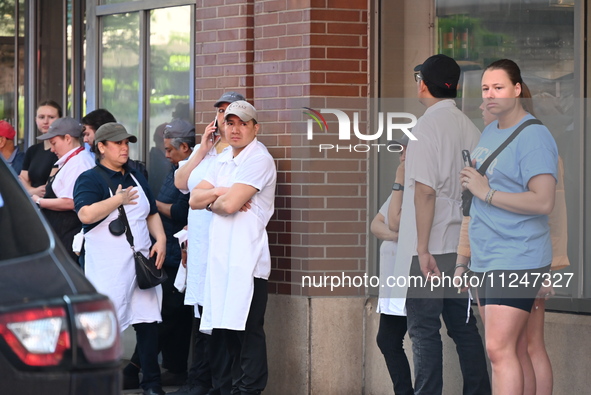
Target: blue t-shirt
point(91, 188)
point(500, 239)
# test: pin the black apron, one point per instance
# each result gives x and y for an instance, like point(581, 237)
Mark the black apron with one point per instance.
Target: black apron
point(64, 223)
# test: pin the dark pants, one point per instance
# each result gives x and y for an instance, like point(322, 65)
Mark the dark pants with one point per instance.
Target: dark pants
point(220, 363)
point(174, 332)
point(424, 308)
point(248, 348)
point(147, 353)
point(390, 340)
point(211, 364)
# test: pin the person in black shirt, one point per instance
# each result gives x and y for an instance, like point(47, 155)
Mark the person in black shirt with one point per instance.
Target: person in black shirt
point(39, 160)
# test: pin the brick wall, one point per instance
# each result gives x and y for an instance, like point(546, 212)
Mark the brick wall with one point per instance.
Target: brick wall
point(285, 55)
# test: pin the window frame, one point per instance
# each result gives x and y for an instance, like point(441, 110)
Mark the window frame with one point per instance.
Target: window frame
point(94, 15)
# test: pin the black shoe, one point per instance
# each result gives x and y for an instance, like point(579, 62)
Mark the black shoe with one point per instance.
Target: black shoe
point(154, 391)
point(131, 382)
point(191, 390)
point(169, 379)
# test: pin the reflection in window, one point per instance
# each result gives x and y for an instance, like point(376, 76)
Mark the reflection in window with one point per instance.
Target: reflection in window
point(540, 37)
point(170, 73)
point(115, 1)
point(11, 64)
point(119, 87)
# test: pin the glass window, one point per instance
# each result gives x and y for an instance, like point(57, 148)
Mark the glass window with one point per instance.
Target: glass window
point(119, 84)
point(540, 37)
point(115, 1)
point(546, 39)
point(12, 64)
point(170, 74)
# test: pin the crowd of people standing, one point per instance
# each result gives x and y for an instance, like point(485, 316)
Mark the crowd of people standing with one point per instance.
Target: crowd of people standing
point(510, 184)
point(221, 191)
point(83, 180)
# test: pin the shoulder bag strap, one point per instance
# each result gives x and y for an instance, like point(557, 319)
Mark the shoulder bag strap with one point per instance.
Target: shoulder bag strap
point(482, 169)
point(122, 214)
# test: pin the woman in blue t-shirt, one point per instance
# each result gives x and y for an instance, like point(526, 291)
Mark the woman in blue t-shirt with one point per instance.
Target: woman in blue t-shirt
point(509, 233)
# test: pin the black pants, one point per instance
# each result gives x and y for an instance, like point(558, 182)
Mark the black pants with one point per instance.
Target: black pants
point(390, 340)
point(211, 363)
point(248, 348)
point(147, 353)
point(174, 332)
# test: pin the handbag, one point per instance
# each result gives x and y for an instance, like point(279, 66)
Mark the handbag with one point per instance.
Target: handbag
point(466, 194)
point(146, 273)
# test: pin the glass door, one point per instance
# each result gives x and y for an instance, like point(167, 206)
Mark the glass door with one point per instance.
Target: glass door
point(144, 72)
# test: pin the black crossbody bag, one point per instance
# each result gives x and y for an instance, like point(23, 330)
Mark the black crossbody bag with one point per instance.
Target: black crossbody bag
point(466, 194)
point(147, 275)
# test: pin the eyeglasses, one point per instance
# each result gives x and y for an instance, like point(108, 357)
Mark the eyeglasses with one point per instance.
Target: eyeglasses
point(418, 76)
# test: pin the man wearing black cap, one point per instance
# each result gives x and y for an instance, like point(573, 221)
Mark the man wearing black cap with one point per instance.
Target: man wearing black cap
point(431, 206)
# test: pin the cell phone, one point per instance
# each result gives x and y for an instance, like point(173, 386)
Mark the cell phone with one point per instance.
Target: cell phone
point(467, 158)
point(216, 131)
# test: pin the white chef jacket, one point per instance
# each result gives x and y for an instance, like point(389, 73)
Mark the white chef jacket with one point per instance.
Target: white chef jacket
point(242, 247)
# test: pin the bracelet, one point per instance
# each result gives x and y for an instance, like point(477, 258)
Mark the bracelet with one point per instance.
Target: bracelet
point(489, 196)
point(462, 265)
point(208, 207)
point(39, 202)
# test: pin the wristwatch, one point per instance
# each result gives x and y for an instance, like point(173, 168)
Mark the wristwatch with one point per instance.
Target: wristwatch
point(39, 202)
point(208, 207)
point(397, 187)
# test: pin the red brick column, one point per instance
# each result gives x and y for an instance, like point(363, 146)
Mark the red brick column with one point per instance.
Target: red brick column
point(285, 55)
point(223, 53)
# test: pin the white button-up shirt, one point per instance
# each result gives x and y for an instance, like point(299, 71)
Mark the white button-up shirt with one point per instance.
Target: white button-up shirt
point(239, 247)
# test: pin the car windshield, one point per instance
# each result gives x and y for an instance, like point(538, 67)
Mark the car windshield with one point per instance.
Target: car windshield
point(22, 232)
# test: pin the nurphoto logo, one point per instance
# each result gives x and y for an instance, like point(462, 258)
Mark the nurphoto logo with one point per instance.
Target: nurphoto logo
point(391, 123)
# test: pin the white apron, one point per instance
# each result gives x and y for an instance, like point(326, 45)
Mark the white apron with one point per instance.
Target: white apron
point(110, 266)
point(198, 237)
point(387, 304)
point(229, 284)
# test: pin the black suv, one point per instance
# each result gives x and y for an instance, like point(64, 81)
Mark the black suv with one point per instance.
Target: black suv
point(57, 334)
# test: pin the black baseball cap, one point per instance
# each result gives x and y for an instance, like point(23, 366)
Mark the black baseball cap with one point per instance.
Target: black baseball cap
point(442, 71)
point(229, 97)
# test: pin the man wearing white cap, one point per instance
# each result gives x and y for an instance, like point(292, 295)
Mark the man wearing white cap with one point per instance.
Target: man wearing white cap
point(239, 189)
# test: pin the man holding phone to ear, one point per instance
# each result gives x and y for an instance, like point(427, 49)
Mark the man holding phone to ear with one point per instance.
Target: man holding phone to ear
point(210, 366)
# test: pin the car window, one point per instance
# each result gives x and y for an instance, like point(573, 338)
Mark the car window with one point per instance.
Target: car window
point(22, 231)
